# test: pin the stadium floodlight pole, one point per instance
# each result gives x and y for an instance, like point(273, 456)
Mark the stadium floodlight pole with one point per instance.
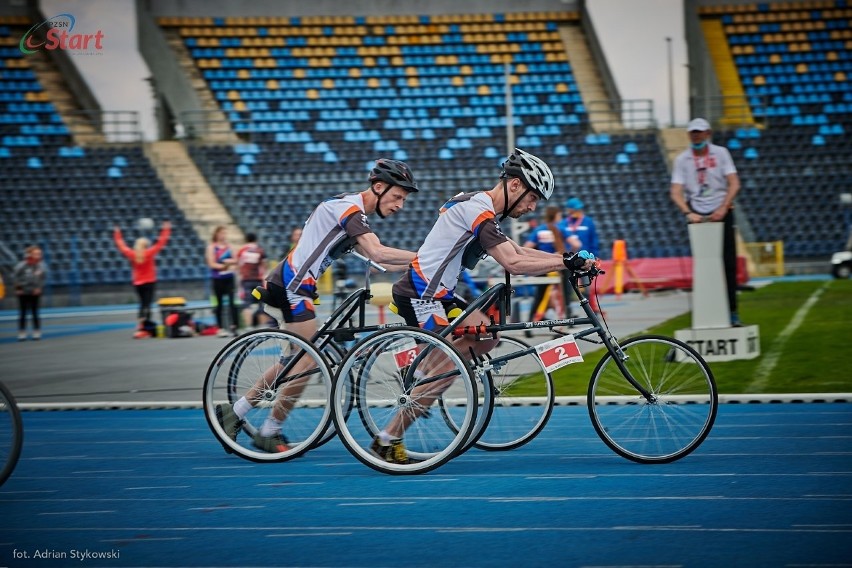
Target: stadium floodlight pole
point(515, 227)
point(510, 119)
point(671, 84)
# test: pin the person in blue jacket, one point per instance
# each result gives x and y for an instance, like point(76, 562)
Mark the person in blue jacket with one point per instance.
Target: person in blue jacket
point(580, 233)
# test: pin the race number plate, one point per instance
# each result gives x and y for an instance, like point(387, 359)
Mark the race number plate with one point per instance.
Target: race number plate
point(559, 352)
point(405, 352)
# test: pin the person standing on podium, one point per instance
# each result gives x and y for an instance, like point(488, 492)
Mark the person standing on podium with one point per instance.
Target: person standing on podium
point(704, 185)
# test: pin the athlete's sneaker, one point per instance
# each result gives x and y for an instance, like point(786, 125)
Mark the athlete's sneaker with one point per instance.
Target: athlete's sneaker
point(392, 452)
point(22, 336)
point(141, 334)
point(274, 444)
point(228, 420)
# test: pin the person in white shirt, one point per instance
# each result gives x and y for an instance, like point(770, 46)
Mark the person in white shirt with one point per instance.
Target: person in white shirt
point(704, 185)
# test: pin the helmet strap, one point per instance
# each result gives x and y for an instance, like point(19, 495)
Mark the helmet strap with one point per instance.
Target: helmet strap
point(506, 207)
point(379, 199)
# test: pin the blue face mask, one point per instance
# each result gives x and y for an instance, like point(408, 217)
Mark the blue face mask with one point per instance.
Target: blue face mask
point(699, 145)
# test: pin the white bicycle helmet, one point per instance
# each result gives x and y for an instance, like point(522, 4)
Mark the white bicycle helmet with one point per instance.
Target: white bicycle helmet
point(535, 174)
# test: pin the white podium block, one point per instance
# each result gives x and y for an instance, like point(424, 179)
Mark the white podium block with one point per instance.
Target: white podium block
point(709, 288)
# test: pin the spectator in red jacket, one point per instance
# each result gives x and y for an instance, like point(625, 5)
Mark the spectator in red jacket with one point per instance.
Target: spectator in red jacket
point(144, 271)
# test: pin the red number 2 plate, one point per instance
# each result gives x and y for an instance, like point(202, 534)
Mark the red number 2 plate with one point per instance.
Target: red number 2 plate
point(559, 352)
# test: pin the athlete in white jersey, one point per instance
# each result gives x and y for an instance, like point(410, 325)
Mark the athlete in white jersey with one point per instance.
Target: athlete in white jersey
point(334, 226)
point(467, 228)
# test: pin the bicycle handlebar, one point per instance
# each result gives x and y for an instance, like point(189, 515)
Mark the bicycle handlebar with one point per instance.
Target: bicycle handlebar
point(366, 260)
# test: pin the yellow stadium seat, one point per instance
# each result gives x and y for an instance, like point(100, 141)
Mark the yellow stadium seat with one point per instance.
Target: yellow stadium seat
point(328, 83)
point(802, 68)
point(840, 77)
point(412, 82)
point(355, 72)
point(373, 83)
point(458, 81)
point(312, 94)
point(272, 85)
point(240, 106)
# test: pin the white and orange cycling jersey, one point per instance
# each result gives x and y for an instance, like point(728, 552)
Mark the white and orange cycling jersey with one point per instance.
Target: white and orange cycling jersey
point(435, 271)
point(334, 220)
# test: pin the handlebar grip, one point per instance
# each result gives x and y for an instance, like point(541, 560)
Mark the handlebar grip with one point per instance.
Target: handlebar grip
point(366, 260)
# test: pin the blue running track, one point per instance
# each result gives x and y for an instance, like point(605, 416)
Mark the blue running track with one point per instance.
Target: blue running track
point(771, 486)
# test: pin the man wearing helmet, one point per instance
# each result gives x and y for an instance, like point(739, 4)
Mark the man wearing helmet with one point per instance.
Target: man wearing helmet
point(468, 228)
point(334, 227)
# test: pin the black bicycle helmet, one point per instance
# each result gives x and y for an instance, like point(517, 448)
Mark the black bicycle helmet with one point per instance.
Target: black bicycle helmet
point(531, 170)
point(393, 172)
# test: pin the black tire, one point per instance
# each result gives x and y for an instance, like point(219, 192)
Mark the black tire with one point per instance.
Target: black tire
point(523, 397)
point(11, 433)
point(675, 421)
point(239, 367)
point(380, 386)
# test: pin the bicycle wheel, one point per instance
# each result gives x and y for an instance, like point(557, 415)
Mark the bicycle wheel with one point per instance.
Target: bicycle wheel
point(11, 433)
point(274, 369)
point(398, 374)
point(677, 418)
point(523, 396)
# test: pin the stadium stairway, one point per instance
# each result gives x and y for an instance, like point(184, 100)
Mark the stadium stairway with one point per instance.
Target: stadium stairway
point(190, 190)
point(588, 78)
point(736, 111)
point(222, 133)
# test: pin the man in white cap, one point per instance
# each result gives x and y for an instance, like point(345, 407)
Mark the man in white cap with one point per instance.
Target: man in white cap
point(704, 185)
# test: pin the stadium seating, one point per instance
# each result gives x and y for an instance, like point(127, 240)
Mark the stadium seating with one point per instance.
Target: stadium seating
point(66, 197)
point(319, 98)
point(794, 60)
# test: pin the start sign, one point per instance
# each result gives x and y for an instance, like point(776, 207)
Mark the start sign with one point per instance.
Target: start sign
point(559, 352)
point(724, 343)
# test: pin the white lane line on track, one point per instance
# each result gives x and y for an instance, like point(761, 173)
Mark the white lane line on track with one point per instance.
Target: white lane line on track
point(88, 471)
point(766, 366)
point(143, 488)
point(140, 540)
point(300, 535)
point(536, 529)
point(227, 508)
point(289, 484)
point(425, 480)
point(376, 504)
point(76, 512)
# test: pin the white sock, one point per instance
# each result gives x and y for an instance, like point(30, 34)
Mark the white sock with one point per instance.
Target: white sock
point(270, 427)
point(384, 437)
point(242, 407)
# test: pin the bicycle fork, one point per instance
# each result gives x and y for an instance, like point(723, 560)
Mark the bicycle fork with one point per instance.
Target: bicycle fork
point(620, 357)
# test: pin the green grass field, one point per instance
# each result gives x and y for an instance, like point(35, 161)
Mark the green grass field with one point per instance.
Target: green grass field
point(809, 358)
